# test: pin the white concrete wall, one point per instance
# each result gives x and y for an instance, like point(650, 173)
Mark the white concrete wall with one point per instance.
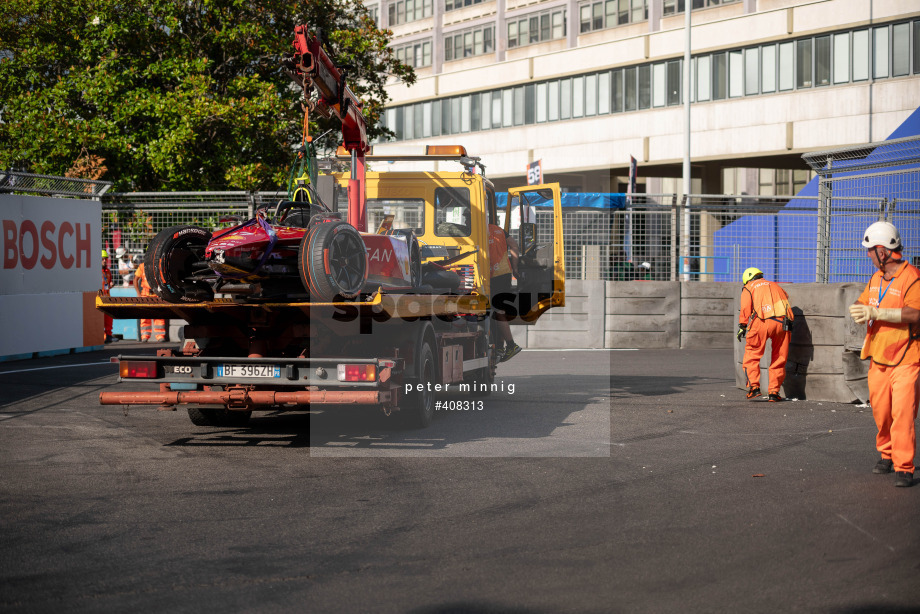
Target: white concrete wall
point(771, 124)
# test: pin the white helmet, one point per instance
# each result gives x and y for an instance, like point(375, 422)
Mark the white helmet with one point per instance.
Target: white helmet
point(120, 252)
point(883, 234)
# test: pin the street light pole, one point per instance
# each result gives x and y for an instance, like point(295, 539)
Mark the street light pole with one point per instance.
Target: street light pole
point(686, 170)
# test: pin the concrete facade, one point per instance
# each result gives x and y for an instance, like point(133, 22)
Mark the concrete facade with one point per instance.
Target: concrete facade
point(769, 130)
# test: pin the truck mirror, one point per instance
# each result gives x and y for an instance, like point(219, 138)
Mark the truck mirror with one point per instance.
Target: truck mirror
point(528, 238)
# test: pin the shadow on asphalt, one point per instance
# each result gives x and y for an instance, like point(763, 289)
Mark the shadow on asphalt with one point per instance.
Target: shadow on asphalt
point(658, 385)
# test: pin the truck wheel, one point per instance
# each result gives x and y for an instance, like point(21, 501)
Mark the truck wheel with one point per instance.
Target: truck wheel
point(175, 254)
point(332, 262)
point(209, 416)
point(418, 409)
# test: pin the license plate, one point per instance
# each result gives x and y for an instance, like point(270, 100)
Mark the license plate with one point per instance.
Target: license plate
point(248, 371)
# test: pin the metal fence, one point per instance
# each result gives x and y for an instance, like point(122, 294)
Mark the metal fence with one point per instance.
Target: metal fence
point(14, 182)
point(814, 236)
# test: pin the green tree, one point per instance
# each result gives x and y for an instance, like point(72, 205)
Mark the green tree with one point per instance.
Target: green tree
point(174, 95)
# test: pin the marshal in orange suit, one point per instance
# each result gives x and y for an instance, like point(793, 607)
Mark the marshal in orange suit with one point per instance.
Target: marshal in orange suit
point(765, 314)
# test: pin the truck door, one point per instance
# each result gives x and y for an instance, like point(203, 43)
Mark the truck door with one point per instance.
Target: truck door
point(533, 218)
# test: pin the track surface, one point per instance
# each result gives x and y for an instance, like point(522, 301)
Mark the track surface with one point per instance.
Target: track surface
point(607, 482)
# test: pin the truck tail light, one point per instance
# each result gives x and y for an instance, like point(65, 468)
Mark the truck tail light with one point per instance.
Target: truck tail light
point(145, 369)
point(357, 373)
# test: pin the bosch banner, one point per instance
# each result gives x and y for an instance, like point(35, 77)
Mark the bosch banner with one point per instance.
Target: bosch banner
point(49, 272)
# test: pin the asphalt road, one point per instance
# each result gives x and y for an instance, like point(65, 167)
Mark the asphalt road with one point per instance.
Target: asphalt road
point(607, 482)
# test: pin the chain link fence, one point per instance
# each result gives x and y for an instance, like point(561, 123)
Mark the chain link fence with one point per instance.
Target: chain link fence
point(812, 237)
point(131, 220)
point(14, 182)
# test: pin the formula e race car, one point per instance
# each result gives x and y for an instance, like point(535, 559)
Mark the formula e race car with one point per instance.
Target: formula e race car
point(301, 251)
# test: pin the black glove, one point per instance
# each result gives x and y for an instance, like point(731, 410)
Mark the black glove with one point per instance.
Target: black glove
point(742, 332)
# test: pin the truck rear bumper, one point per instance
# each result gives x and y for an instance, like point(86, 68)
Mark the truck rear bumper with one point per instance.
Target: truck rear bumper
point(249, 399)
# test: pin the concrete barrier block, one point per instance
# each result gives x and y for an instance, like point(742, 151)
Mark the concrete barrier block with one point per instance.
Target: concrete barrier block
point(580, 324)
point(818, 387)
point(823, 299)
point(710, 290)
point(824, 359)
point(550, 339)
point(633, 305)
point(724, 324)
point(700, 339)
point(818, 330)
point(640, 340)
point(650, 323)
point(856, 375)
point(642, 314)
point(520, 335)
point(660, 289)
point(706, 306)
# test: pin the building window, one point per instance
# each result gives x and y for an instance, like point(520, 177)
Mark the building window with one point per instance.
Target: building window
point(735, 74)
point(671, 7)
point(601, 14)
point(541, 102)
point(469, 43)
point(822, 60)
point(453, 5)
point(406, 11)
point(751, 72)
point(538, 28)
point(842, 57)
point(880, 52)
point(590, 95)
point(553, 101)
point(578, 97)
point(416, 55)
point(630, 99)
point(719, 76)
point(917, 46)
point(705, 4)
point(703, 78)
point(786, 67)
point(860, 55)
point(674, 81)
point(616, 90)
point(659, 72)
point(603, 93)
point(900, 49)
point(803, 74)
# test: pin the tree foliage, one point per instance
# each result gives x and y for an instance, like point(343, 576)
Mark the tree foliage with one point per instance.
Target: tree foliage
point(166, 95)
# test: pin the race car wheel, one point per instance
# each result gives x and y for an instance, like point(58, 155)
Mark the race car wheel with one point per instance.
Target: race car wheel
point(415, 256)
point(332, 262)
point(172, 257)
point(415, 263)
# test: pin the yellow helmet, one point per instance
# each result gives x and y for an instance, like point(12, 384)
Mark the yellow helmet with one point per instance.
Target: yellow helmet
point(105, 254)
point(750, 274)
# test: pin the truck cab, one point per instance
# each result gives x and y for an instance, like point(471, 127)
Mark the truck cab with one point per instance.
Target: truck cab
point(450, 213)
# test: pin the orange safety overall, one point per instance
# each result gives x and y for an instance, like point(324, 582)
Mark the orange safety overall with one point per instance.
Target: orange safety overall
point(155, 327)
point(763, 306)
point(894, 373)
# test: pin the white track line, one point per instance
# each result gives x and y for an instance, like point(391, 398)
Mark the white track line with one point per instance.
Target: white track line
point(84, 364)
